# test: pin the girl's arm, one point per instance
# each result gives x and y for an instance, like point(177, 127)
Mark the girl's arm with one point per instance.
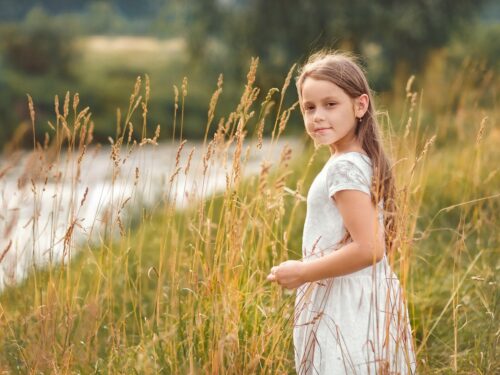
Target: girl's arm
point(367, 246)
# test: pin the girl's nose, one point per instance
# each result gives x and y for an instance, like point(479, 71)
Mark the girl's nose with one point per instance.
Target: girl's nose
point(318, 115)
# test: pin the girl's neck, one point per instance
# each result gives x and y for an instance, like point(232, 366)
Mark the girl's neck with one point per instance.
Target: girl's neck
point(353, 147)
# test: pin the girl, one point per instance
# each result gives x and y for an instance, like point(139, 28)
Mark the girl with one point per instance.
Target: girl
point(350, 316)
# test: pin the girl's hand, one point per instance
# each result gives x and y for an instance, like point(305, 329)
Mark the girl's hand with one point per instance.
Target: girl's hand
point(288, 274)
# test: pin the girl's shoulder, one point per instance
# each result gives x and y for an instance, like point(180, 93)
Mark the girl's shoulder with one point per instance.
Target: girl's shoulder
point(353, 159)
point(351, 170)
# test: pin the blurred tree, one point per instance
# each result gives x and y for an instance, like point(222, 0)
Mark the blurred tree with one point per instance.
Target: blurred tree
point(134, 8)
point(16, 10)
point(36, 47)
point(283, 31)
point(37, 58)
point(171, 19)
point(203, 19)
point(410, 30)
point(102, 18)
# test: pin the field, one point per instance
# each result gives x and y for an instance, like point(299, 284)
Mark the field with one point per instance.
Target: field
point(168, 290)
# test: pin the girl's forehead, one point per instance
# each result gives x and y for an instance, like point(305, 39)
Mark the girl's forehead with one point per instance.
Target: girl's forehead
point(317, 88)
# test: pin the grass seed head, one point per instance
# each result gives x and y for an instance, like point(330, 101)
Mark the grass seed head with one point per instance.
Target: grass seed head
point(66, 105)
point(179, 150)
point(409, 84)
point(176, 98)
point(148, 87)
point(188, 164)
point(137, 88)
point(56, 106)
point(482, 127)
point(76, 101)
point(184, 87)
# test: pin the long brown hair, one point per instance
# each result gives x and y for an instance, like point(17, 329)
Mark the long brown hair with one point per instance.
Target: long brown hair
point(342, 69)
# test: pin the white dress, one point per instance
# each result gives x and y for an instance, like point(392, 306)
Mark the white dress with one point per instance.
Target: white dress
point(352, 324)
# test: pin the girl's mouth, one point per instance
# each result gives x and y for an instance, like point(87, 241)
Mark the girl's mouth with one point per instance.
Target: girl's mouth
point(321, 130)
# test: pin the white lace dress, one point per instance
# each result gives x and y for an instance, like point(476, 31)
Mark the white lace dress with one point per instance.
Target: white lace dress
point(357, 323)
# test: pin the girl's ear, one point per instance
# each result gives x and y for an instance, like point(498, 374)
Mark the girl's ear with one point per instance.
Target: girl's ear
point(361, 105)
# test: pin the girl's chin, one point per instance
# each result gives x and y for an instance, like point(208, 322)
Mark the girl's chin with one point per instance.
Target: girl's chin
point(323, 141)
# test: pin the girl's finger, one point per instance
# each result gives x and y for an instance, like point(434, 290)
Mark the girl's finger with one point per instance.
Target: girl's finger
point(271, 277)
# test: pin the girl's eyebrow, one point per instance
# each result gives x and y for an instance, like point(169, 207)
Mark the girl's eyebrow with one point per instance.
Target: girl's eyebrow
point(327, 98)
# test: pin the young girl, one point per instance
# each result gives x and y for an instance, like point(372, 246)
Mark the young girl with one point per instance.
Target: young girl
point(350, 316)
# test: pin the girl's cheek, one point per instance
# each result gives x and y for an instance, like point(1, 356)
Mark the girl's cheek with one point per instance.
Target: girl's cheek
point(307, 125)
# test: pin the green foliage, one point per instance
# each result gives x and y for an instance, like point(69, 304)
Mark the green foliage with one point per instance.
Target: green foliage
point(480, 41)
point(37, 47)
point(281, 32)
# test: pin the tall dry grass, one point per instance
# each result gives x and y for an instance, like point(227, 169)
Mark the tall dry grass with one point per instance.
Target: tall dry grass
point(184, 291)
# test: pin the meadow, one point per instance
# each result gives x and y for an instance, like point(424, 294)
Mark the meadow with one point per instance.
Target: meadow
point(174, 291)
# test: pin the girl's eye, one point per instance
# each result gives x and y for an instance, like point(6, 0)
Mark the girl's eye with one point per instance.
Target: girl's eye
point(309, 108)
point(331, 104)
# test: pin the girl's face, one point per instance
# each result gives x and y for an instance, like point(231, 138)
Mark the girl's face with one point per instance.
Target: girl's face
point(330, 115)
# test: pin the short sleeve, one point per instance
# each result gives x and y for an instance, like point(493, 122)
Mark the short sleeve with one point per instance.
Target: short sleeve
point(345, 175)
